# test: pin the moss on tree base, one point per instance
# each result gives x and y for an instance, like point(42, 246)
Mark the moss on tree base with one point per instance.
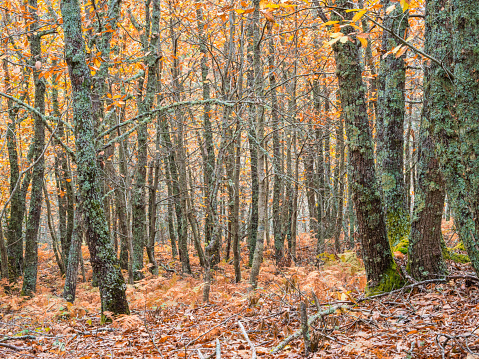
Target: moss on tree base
point(402, 246)
point(390, 280)
point(449, 253)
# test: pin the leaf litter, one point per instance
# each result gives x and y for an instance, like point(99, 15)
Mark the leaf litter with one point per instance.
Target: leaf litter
point(169, 320)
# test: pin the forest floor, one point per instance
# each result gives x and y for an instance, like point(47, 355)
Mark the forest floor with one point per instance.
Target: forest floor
point(169, 320)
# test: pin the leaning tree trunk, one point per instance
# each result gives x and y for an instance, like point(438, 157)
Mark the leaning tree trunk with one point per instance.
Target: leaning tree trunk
point(380, 268)
point(103, 259)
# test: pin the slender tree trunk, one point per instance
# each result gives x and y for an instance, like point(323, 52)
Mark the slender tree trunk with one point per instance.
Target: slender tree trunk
point(55, 245)
point(121, 209)
point(14, 236)
point(278, 185)
point(171, 211)
point(75, 254)
point(253, 149)
point(339, 187)
point(36, 196)
point(178, 168)
point(259, 139)
point(392, 110)
point(65, 195)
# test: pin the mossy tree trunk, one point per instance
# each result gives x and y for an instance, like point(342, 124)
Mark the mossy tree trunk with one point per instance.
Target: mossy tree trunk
point(391, 102)
point(425, 253)
point(36, 197)
point(458, 136)
point(150, 37)
point(111, 283)
point(74, 255)
point(18, 188)
point(378, 261)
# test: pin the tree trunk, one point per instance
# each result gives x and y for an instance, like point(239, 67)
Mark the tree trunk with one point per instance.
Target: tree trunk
point(425, 252)
point(36, 196)
point(75, 254)
point(378, 261)
point(259, 139)
point(104, 262)
point(392, 110)
point(458, 135)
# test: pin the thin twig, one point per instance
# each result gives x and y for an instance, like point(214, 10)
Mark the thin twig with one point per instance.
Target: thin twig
point(216, 326)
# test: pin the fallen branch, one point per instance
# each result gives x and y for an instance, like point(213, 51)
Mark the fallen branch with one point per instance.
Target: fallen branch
point(13, 347)
point(410, 286)
point(95, 332)
point(216, 326)
point(218, 349)
point(298, 333)
point(245, 335)
point(21, 337)
point(167, 268)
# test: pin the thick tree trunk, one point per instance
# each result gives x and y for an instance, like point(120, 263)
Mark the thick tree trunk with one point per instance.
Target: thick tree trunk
point(458, 135)
point(425, 252)
point(104, 262)
point(378, 261)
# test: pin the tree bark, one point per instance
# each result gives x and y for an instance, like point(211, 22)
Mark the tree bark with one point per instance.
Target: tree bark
point(104, 262)
point(392, 110)
point(36, 197)
point(378, 261)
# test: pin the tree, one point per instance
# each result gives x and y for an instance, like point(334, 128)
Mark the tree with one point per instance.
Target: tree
point(390, 123)
point(112, 285)
point(380, 267)
point(36, 198)
point(425, 252)
point(458, 136)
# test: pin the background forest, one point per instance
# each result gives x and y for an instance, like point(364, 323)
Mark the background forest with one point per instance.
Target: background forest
point(163, 145)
